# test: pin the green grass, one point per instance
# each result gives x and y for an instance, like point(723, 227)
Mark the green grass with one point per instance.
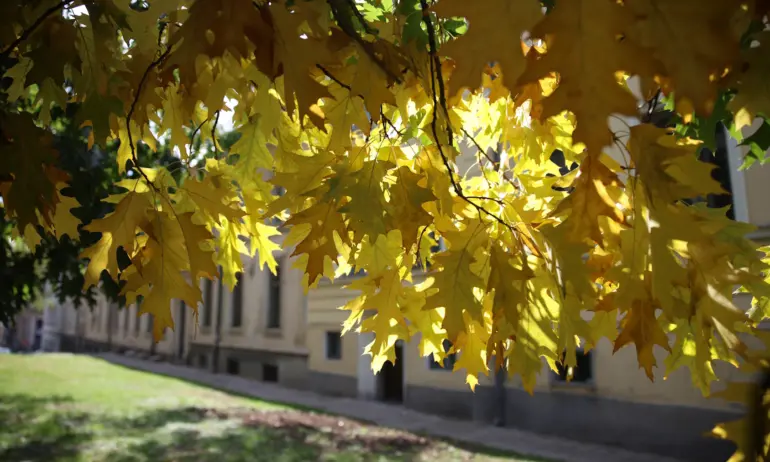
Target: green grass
point(61, 407)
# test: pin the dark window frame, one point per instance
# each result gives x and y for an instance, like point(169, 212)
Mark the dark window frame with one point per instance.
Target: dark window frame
point(233, 366)
point(448, 362)
point(274, 299)
point(270, 372)
point(584, 370)
point(236, 308)
point(333, 345)
point(208, 288)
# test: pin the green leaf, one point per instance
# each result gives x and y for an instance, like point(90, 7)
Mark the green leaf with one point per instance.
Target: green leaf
point(758, 144)
point(414, 30)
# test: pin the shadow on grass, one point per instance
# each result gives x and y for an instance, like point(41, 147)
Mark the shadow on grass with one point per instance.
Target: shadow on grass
point(40, 429)
point(55, 429)
point(382, 448)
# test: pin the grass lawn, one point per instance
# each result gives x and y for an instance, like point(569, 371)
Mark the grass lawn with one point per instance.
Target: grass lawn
point(59, 407)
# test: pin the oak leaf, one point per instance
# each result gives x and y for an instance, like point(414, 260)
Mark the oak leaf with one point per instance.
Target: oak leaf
point(473, 51)
point(119, 229)
point(584, 48)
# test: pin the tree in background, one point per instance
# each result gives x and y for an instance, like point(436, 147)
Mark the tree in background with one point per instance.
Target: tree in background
point(30, 261)
point(357, 112)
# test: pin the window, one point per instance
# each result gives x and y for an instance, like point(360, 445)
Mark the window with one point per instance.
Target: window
point(150, 322)
point(203, 361)
point(449, 360)
point(237, 309)
point(233, 366)
point(269, 372)
point(333, 345)
point(582, 373)
point(208, 288)
point(274, 304)
point(94, 317)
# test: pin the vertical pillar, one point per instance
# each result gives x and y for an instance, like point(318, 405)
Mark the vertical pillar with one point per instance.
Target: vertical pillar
point(367, 381)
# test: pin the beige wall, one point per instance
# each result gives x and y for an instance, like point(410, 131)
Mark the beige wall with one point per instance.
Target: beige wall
point(253, 332)
point(324, 315)
point(417, 371)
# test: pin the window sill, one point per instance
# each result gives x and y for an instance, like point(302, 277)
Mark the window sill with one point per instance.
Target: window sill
point(573, 387)
point(273, 332)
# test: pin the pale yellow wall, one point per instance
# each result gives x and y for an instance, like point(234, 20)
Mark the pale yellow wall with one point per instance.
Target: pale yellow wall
point(324, 315)
point(317, 362)
point(417, 371)
point(253, 332)
point(96, 320)
point(198, 333)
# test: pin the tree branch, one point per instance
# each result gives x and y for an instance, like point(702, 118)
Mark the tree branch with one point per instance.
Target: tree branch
point(214, 134)
point(131, 110)
point(27, 32)
point(335, 79)
point(345, 22)
point(440, 102)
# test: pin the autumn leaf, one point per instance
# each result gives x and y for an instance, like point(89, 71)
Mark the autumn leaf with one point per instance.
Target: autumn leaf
point(456, 281)
point(590, 200)
point(642, 328)
point(119, 230)
point(472, 52)
point(692, 57)
point(583, 48)
point(318, 243)
point(517, 223)
point(752, 99)
point(407, 197)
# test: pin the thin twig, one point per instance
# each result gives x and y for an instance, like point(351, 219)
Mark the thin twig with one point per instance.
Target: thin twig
point(496, 163)
point(214, 135)
point(335, 79)
point(27, 32)
point(130, 114)
point(345, 23)
point(390, 122)
point(440, 102)
point(419, 241)
point(193, 154)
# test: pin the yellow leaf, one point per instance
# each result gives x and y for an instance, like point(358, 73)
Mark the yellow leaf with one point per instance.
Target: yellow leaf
point(456, 280)
point(251, 149)
point(118, 229)
point(583, 48)
point(642, 328)
point(472, 346)
point(319, 244)
point(196, 237)
point(64, 223)
point(588, 201)
point(690, 56)
point(472, 51)
point(382, 255)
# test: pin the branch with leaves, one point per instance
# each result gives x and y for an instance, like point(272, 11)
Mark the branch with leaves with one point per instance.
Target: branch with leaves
point(356, 112)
